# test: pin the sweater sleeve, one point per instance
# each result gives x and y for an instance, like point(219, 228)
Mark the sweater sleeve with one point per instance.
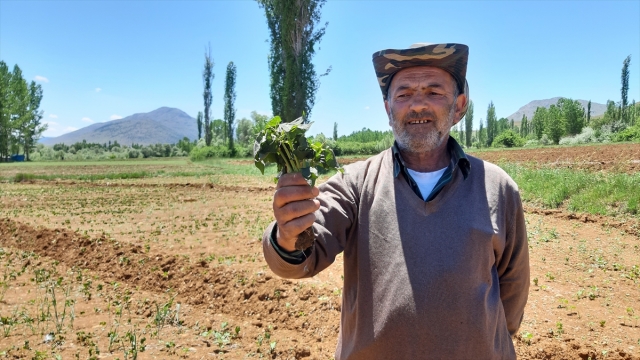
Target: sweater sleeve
point(332, 227)
point(513, 270)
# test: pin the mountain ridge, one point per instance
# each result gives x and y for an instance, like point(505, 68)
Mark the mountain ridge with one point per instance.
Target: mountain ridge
point(164, 125)
point(529, 109)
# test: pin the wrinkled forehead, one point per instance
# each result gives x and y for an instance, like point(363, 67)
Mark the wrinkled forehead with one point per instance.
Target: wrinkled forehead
point(422, 76)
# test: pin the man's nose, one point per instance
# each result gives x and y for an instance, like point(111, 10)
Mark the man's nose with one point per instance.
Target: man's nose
point(419, 103)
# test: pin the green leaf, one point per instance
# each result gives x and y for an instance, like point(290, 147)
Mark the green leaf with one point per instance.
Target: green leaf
point(285, 144)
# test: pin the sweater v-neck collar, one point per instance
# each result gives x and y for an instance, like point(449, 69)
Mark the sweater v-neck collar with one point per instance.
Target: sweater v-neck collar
point(458, 161)
point(430, 206)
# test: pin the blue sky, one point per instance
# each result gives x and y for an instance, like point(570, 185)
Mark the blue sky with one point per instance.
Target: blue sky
point(99, 60)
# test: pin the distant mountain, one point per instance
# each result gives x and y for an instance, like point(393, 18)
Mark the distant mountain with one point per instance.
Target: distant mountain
point(164, 125)
point(596, 108)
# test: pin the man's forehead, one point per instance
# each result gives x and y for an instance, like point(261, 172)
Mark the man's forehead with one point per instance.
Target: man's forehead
point(430, 74)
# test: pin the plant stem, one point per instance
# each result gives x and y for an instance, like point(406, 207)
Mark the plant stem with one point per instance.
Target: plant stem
point(289, 158)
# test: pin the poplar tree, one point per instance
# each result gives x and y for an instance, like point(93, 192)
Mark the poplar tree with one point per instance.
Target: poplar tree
point(229, 101)
point(589, 112)
point(199, 121)
point(624, 91)
point(482, 138)
point(207, 79)
point(5, 117)
point(468, 124)
point(294, 36)
point(524, 126)
point(492, 123)
point(335, 131)
point(538, 121)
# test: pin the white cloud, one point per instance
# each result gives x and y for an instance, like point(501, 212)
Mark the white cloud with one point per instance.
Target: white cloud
point(115, 117)
point(86, 119)
point(53, 116)
point(98, 89)
point(51, 123)
point(54, 130)
point(41, 79)
point(366, 108)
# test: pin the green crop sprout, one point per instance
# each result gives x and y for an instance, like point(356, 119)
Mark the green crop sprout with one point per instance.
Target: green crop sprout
point(285, 145)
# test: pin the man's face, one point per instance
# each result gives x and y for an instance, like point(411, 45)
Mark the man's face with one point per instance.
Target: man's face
point(422, 108)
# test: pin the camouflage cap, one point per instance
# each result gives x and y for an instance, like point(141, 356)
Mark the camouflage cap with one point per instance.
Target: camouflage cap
point(449, 57)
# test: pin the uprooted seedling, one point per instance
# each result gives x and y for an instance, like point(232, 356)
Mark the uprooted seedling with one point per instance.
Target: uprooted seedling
point(285, 145)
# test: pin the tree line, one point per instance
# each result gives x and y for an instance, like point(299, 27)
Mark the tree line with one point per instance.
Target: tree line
point(20, 115)
point(566, 122)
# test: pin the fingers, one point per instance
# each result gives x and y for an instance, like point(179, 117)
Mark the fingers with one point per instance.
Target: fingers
point(293, 206)
point(290, 194)
point(291, 179)
point(288, 233)
point(295, 209)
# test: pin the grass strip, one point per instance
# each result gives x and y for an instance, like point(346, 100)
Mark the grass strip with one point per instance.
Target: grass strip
point(579, 191)
point(21, 177)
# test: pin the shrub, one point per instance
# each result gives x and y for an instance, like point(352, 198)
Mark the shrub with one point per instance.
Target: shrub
point(508, 138)
point(588, 135)
point(628, 134)
point(544, 140)
point(532, 142)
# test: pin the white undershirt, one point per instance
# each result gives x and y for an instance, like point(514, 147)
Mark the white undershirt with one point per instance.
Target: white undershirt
point(426, 181)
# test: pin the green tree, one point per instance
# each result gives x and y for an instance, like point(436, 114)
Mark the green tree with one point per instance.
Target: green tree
point(335, 131)
point(19, 110)
point(555, 124)
point(244, 132)
point(199, 121)
point(294, 36)
point(538, 121)
point(624, 91)
point(32, 127)
point(492, 125)
point(219, 132)
point(229, 101)
point(501, 125)
point(468, 124)
point(5, 110)
point(589, 113)
point(482, 134)
point(611, 114)
point(207, 79)
point(573, 113)
point(259, 122)
point(524, 126)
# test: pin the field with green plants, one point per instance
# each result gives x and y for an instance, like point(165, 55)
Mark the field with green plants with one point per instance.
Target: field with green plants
point(161, 258)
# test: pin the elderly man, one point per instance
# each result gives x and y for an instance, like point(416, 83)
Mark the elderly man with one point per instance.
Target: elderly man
point(435, 251)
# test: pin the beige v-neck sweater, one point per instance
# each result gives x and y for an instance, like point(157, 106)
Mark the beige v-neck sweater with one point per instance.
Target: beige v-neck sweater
point(443, 279)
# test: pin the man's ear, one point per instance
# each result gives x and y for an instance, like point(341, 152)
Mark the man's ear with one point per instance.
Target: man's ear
point(461, 105)
point(388, 109)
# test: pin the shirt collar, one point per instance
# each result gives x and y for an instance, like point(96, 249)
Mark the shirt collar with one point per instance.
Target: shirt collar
point(458, 158)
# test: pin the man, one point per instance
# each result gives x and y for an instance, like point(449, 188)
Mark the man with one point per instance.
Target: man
point(435, 251)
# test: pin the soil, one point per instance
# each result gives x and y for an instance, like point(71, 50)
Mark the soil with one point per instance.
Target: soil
point(129, 251)
point(611, 157)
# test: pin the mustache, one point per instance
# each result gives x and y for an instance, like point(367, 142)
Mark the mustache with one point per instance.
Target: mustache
point(422, 115)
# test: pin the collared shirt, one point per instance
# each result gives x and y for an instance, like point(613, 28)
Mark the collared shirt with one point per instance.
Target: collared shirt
point(458, 158)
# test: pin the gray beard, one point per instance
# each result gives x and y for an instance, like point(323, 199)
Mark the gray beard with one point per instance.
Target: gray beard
point(418, 143)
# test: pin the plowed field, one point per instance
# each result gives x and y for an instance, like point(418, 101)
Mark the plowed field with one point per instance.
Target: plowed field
point(88, 269)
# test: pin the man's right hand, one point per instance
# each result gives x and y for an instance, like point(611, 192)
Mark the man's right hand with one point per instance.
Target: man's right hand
point(293, 206)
